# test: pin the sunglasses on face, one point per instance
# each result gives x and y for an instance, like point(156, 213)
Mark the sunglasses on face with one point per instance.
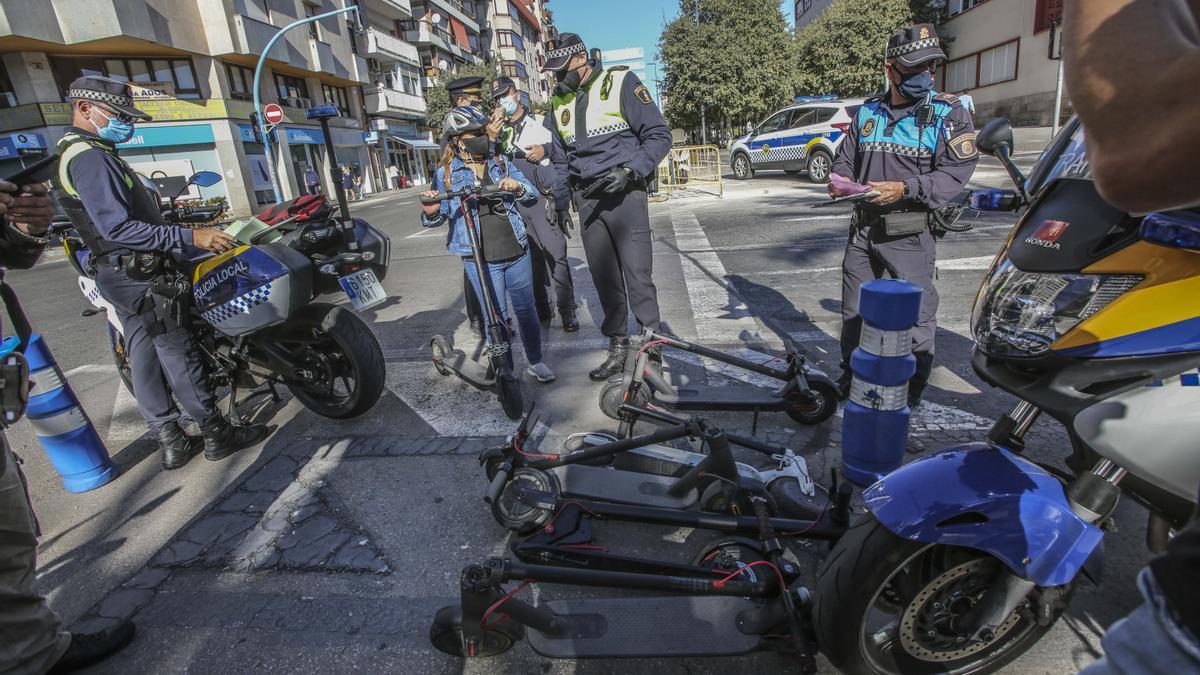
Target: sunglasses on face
point(113, 114)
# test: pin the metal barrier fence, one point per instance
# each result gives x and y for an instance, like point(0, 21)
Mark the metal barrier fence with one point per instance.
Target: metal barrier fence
point(691, 167)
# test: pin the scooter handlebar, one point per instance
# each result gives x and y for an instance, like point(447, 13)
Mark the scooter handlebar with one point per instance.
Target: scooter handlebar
point(489, 191)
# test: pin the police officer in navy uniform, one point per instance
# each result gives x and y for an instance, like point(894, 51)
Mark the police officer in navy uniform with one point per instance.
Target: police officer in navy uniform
point(609, 138)
point(917, 149)
point(526, 138)
point(121, 222)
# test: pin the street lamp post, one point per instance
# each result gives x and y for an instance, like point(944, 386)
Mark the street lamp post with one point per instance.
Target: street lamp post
point(266, 135)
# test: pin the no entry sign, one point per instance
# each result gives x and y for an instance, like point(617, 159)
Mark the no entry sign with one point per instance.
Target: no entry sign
point(272, 113)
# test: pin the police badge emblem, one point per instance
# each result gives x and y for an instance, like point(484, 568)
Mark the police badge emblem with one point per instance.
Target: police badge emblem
point(924, 33)
point(765, 148)
point(868, 128)
point(565, 117)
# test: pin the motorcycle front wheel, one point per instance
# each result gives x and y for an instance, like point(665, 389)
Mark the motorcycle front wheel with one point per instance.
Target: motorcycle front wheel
point(335, 344)
point(884, 604)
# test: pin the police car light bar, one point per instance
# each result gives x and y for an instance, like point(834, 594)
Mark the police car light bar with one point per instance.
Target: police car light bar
point(321, 111)
point(816, 99)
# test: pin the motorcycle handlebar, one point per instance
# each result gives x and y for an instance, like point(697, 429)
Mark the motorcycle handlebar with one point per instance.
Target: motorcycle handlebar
point(489, 191)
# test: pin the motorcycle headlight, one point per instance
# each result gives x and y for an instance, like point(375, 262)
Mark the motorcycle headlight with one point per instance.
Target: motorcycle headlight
point(1020, 314)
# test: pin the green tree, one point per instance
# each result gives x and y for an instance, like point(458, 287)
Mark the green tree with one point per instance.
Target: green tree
point(732, 58)
point(437, 101)
point(842, 50)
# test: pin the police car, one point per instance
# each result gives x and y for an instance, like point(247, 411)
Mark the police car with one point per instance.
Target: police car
point(801, 137)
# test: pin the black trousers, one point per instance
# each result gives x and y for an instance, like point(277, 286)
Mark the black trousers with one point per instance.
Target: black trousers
point(617, 239)
point(870, 254)
point(166, 363)
point(548, 250)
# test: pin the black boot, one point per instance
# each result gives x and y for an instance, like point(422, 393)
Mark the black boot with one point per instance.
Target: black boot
point(177, 447)
point(90, 648)
point(222, 439)
point(615, 363)
point(570, 323)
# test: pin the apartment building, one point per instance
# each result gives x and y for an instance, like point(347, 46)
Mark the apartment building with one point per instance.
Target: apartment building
point(448, 34)
point(806, 11)
point(192, 62)
point(999, 53)
point(517, 44)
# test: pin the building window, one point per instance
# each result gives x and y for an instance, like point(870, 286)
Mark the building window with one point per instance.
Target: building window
point(314, 27)
point(337, 96)
point(510, 39)
point(514, 69)
point(288, 87)
point(803, 6)
point(241, 82)
point(960, 6)
point(1046, 13)
point(408, 80)
point(991, 66)
point(8, 99)
point(179, 73)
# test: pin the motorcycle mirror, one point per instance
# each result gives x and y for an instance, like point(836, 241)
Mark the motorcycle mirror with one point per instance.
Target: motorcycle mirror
point(205, 178)
point(993, 135)
point(994, 200)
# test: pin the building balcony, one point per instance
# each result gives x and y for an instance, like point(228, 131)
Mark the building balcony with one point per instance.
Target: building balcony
point(393, 103)
point(325, 61)
point(456, 8)
point(424, 36)
point(385, 47)
point(251, 37)
point(392, 9)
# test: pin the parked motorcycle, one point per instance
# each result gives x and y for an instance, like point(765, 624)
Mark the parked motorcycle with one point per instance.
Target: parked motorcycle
point(253, 311)
point(1088, 314)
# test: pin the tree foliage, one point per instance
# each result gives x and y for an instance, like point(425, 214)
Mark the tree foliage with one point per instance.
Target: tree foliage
point(437, 100)
point(841, 51)
point(734, 58)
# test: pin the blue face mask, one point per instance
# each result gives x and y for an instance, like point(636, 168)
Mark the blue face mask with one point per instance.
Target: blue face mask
point(116, 130)
point(915, 85)
point(509, 105)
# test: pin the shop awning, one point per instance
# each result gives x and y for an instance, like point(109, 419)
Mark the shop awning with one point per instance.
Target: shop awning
point(416, 143)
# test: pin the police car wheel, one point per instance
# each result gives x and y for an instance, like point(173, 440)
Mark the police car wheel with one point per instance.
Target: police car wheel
point(819, 166)
point(741, 167)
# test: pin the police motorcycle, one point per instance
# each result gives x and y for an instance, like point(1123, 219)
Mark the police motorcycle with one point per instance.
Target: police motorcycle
point(252, 309)
point(1087, 315)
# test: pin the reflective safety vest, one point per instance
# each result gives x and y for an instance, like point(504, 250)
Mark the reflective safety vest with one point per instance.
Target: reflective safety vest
point(603, 114)
point(909, 137)
point(71, 146)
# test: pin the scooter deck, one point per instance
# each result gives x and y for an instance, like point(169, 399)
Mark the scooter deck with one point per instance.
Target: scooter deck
point(662, 626)
point(624, 487)
point(474, 372)
point(737, 397)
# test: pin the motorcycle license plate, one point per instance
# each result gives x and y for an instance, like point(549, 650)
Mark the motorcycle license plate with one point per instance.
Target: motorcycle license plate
point(363, 289)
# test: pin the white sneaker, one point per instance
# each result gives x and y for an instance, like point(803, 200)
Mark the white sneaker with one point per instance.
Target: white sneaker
point(541, 371)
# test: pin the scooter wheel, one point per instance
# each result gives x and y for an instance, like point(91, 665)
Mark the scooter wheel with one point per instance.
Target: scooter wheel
point(440, 348)
point(445, 633)
point(817, 407)
point(727, 556)
point(791, 502)
point(612, 395)
point(509, 392)
point(515, 514)
point(721, 497)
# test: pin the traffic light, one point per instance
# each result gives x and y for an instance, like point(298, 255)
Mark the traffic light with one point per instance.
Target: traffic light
point(255, 128)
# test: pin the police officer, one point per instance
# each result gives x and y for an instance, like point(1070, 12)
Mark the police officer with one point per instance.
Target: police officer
point(609, 139)
point(121, 223)
point(917, 149)
point(468, 91)
point(526, 138)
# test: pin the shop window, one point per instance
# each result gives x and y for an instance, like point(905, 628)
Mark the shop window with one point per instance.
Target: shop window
point(241, 82)
point(177, 72)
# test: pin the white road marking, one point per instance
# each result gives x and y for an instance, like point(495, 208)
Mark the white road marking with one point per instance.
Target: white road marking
point(426, 232)
point(972, 263)
point(126, 424)
point(719, 315)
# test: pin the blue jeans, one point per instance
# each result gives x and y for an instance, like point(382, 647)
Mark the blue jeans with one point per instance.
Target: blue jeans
point(1149, 640)
point(514, 278)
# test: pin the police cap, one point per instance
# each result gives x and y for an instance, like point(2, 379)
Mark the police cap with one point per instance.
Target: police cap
point(915, 45)
point(466, 86)
point(108, 92)
point(560, 50)
point(501, 85)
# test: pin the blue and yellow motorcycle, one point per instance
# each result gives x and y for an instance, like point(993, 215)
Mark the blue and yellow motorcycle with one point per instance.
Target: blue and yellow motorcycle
point(1088, 315)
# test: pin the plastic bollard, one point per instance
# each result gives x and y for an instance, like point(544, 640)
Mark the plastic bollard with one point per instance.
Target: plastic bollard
point(62, 428)
point(875, 419)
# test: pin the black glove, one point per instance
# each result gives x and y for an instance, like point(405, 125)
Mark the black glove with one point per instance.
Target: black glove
point(564, 223)
point(618, 179)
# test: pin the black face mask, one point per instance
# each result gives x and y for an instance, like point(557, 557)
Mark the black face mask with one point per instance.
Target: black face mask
point(569, 82)
point(478, 145)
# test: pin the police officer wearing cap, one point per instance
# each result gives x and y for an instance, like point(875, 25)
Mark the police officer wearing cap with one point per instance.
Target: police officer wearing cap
point(609, 138)
point(121, 222)
point(917, 149)
point(526, 138)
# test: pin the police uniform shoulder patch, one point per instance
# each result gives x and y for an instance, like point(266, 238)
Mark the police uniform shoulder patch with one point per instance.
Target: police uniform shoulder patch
point(868, 128)
point(963, 146)
point(616, 68)
point(947, 98)
point(643, 94)
point(565, 117)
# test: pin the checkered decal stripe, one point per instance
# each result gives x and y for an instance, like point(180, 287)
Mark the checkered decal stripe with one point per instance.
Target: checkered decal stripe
point(783, 154)
point(912, 47)
point(895, 149)
point(239, 305)
point(607, 129)
point(103, 97)
point(576, 48)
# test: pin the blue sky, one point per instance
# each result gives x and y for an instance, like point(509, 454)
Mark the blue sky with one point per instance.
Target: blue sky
point(614, 24)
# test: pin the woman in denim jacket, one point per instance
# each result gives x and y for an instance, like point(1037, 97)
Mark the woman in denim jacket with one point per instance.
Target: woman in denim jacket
point(468, 160)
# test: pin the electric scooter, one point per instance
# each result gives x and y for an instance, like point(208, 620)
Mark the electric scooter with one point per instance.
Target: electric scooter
point(498, 374)
point(807, 395)
point(525, 488)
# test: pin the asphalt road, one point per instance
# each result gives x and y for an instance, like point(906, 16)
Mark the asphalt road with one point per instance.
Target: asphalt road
point(365, 524)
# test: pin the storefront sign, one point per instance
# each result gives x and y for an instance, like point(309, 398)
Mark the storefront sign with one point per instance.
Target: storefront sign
point(56, 113)
point(22, 145)
point(179, 110)
point(150, 135)
point(246, 134)
point(370, 137)
point(242, 109)
point(297, 136)
point(143, 91)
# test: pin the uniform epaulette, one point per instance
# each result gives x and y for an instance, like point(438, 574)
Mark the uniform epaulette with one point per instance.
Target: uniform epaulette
point(948, 98)
point(872, 99)
point(618, 67)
